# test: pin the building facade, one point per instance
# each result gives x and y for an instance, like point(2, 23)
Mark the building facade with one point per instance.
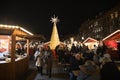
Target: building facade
point(101, 26)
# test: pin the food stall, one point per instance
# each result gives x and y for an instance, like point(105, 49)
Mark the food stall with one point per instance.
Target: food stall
point(90, 42)
point(112, 41)
point(13, 65)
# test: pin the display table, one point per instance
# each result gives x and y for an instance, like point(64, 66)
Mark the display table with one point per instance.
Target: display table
point(14, 70)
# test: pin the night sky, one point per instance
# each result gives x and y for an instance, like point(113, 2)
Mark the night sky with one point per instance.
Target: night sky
point(35, 15)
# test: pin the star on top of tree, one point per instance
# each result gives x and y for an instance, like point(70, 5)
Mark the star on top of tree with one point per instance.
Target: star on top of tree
point(54, 19)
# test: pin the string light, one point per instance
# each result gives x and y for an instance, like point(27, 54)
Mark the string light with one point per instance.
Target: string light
point(11, 26)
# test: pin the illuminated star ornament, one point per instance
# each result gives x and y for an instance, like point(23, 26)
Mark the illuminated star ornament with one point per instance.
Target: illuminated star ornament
point(54, 19)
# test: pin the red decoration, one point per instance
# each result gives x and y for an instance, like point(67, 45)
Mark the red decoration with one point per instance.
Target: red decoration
point(111, 44)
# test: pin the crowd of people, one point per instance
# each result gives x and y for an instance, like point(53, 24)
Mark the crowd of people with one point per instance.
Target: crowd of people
point(95, 64)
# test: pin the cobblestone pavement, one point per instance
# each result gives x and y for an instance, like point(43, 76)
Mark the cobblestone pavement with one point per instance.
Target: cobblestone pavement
point(58, 72)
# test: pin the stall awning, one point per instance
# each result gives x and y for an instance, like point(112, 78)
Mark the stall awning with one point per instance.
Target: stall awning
point(20, 32)
point(113, 36)
point(17, 30)
point(89, 39)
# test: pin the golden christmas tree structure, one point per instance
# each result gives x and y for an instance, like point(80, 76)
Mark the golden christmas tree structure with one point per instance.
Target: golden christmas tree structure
point(54, 41)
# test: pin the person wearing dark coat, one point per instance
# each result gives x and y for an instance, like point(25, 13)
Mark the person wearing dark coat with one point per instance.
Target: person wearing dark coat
point(109, 70)
point(75, 62)
point(49, 65)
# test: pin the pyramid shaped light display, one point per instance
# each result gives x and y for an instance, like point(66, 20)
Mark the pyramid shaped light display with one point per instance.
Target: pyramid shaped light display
point(54, 41)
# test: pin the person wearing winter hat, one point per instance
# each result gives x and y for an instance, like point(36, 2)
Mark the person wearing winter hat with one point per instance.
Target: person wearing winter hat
point(89, 71)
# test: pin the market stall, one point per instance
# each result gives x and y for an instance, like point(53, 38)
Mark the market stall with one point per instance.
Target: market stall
point(90, 42)
point(13, 61)
point(112, 41)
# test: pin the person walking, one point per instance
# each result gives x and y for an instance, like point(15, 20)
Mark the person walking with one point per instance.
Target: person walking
point(39, 63)
point(48, 62)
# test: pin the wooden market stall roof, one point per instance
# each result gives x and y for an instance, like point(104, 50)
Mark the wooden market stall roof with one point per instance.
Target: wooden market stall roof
point(17, 30)
point(113, 36)
point(89, 39)
point(35, 37)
